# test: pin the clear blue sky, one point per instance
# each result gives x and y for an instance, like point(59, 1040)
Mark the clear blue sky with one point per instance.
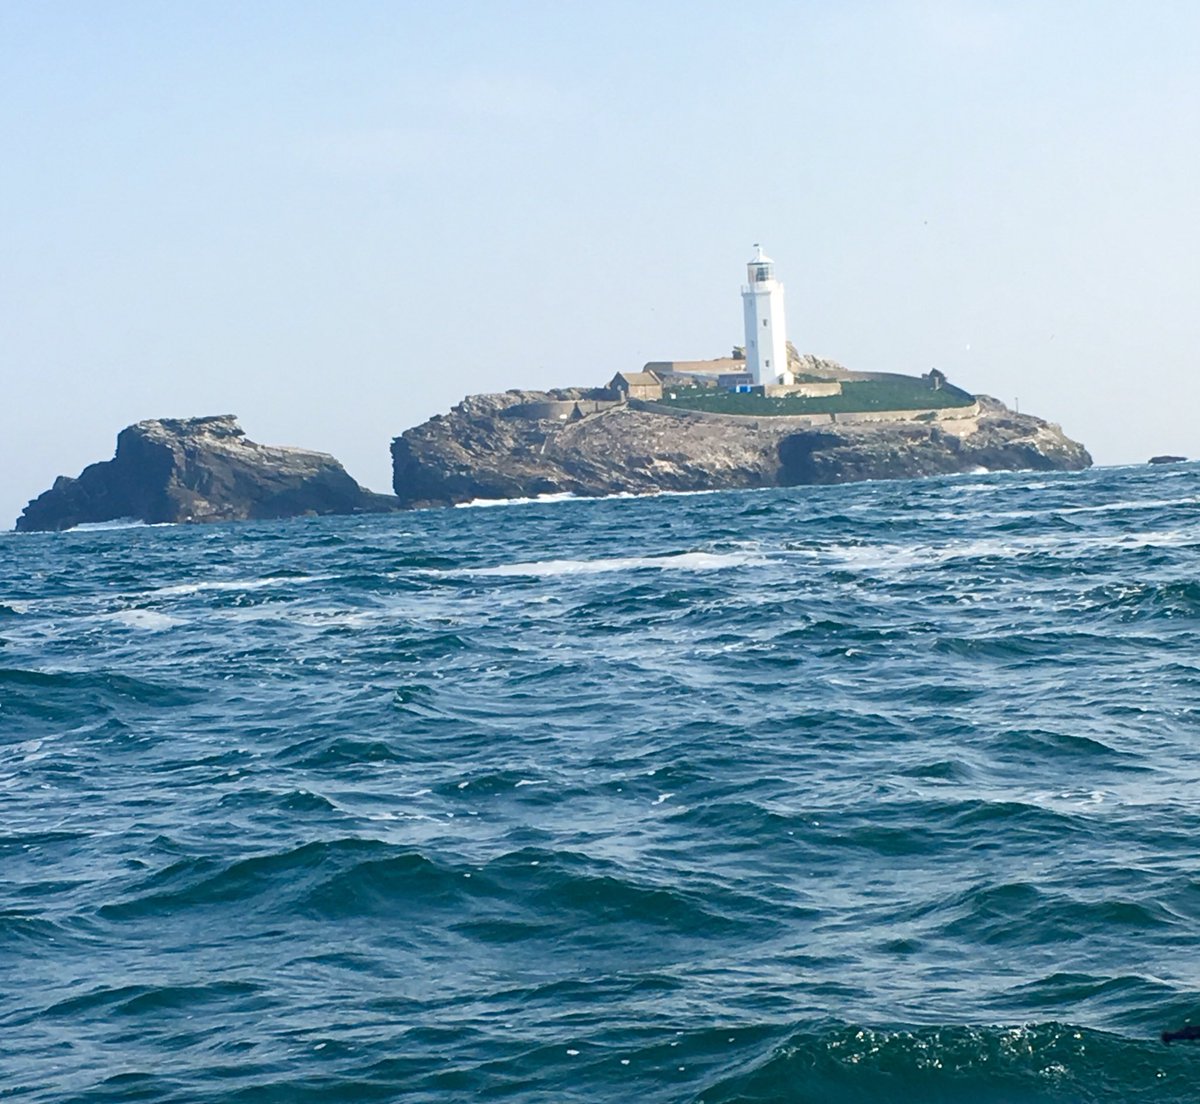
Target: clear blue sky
point(335, 220)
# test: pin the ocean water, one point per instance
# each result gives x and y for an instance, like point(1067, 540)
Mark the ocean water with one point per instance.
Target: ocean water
point(885, 792)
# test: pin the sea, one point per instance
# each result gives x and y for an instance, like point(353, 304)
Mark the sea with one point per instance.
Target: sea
point(864, 793)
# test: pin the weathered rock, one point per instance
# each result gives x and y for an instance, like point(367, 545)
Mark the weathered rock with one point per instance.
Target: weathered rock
point(1167, 460)
point(486, 448)
point(198, 470)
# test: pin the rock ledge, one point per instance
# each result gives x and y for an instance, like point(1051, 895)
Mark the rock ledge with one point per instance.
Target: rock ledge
point(200, 470)
point(521, 444)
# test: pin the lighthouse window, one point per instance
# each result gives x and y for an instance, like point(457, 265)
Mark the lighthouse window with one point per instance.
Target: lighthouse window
point(762, 273)
point(764, 321)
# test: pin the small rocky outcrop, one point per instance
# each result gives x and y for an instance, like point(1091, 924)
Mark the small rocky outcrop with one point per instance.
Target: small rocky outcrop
point(1167, 460)
point(200, 470)
point(521, 444)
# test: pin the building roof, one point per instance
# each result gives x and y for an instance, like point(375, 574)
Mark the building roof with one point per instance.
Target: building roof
point(638, 379)
point(693, 367)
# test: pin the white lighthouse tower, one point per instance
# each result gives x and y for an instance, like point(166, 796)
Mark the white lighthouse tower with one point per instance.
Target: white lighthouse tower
point(766, 328)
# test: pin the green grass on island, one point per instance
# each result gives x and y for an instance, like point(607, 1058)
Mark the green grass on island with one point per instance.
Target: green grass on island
point(857, 396)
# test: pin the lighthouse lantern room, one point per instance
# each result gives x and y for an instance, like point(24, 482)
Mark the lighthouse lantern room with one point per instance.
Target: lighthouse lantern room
point(766, 329)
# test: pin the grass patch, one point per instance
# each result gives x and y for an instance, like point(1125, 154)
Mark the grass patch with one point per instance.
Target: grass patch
point(905, 393)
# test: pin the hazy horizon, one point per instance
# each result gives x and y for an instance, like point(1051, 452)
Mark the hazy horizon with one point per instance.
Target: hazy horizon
point(335, 222)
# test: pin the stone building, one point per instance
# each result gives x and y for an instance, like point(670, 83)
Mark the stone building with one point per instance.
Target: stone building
point(637, 385)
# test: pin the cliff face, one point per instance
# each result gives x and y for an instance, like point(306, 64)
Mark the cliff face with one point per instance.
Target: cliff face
point(491, 446)
point(200, 469)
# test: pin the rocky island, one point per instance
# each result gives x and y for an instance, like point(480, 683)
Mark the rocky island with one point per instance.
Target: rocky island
point(649, 431)
point(765, 416)
point(198, 470)
point(602, 441)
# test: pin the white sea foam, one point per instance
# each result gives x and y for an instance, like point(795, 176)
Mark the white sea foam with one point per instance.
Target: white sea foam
point(27, 751)
point(236, 584)
point(1136, 504)
point(1068, 801)
point(323, 617)
point(871, 557)
point(680, 561)
point(149, 620)
point(567, 496)
point(1101, 508)
point(956, 489)
point(564, 496)
point(115, 523)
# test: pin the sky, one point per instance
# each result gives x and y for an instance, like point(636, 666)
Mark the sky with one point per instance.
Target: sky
point(337, 219)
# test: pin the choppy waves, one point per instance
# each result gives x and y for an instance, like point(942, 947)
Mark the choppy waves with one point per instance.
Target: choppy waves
point(854, 793)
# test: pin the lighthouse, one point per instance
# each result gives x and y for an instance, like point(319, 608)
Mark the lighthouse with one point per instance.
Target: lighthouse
point(766, 329)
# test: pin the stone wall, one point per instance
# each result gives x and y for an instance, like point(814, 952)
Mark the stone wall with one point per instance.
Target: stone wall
point(751, 420)
point(861, 417)
point(936, 414)
point(558, 409)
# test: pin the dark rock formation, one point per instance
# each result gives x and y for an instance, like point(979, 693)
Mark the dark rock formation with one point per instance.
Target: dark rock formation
point(994, 439)
point(200, 469)
point(488, 447)
point(1167, 459)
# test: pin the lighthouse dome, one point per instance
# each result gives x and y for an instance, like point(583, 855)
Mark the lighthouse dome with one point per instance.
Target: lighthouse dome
point(761, 270)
